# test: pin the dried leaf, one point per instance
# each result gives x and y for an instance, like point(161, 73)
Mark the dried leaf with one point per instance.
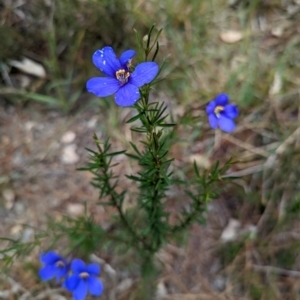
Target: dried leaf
point(29, 66)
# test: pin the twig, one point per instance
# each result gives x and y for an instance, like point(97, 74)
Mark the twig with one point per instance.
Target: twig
point(288, 141)
point(248, 171)
point(218, 137)
point(266, 213)
point(279, 271)
point(15, 288)
point(246, 146)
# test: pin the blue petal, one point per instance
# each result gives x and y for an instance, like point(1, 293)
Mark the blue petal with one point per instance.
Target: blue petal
point(78, 266)
point(213, 121)
point(47, 272)
point(126, 57)
point(50, 257)
point(72, 282)
point(210, 107)
point(93, 269)
point(102, 86)
point(143, 73)
point(61, 272)
point(230, 111)
point(226, 124)
point(95, 286)
point(127, 95)
point(106, 61)
point(222, 99)
point(80, 291)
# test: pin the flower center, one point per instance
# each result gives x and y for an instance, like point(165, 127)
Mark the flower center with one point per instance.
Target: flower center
point(122, 76)
point(84, 275)
point(218, 109)
point(60, 264)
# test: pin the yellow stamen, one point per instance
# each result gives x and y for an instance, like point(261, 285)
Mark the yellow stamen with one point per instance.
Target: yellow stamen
point(122, 75)
point(60, 264)
point(84, 275)
point(218, 109)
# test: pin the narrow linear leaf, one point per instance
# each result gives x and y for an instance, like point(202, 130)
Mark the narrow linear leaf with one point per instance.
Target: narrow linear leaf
point(196, 168)
point(115, 153)
point(134, 118)
point(132, 156)
point(135, 149)
point(138, 129)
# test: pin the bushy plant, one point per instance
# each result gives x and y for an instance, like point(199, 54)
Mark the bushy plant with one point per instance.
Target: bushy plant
point(145, 228)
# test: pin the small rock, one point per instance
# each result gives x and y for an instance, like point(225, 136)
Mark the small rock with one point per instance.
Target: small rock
point(68, 137)
point(106, 267)
point(277, 31)
point(219, 284)
point(124, 285)
point(9, 198)
point(92, 122)
point(16, 230)
point(69, 155)
point(230, 232)
point(161, 290)
point(231, 36)
point(29, 125)
point(75, 209)
point(19, 208)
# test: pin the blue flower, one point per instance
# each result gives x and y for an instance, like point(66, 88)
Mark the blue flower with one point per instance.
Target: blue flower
point(120, 80)
point(54, 266)
point(84, 279)
point(221, 113)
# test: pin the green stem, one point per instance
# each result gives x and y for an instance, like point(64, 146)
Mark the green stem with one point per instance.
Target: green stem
point(154, 197)
point(115, 200)
point(193, 215)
